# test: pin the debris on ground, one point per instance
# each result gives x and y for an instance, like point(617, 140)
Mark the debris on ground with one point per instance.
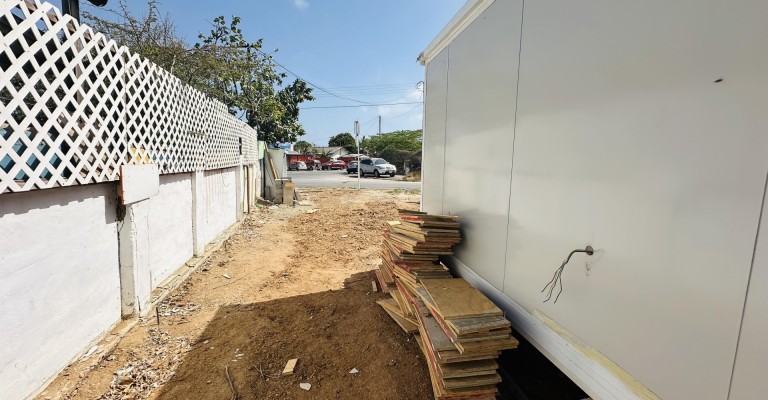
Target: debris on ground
point(461, 333)
point(295, 286)
point(290, 366)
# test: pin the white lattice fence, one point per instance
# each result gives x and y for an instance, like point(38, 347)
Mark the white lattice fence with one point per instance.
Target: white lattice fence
point(74, 106)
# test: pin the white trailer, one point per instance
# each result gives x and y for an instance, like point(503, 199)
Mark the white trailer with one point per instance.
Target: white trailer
point(640, 129)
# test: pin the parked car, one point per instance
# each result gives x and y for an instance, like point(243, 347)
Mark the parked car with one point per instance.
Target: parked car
point(377, 167)
point(297, 166)
point(352, 167)
point(334, 164)
point(313, 165)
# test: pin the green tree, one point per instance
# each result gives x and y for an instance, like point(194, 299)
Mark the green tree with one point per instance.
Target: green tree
point(409, 140)
point(345, 140)
point(303, 147)
point(284, 127)
point(401, 148)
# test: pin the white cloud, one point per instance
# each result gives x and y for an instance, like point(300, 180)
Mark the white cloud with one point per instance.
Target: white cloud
point(300, 4)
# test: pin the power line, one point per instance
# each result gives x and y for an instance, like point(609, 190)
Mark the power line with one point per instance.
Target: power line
point(361, 105)
point(401, 114)
point(326, 90)
point(310, 83)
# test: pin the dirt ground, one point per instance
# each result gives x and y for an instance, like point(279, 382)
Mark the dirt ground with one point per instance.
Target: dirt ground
point(293, 282)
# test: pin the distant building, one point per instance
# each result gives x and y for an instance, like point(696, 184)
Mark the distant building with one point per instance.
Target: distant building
point(332, 152)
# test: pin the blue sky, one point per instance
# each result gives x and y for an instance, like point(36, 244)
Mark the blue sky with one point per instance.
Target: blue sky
point(360, 49)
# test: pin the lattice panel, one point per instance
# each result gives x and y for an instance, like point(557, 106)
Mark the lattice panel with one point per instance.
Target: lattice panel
point(74, 106)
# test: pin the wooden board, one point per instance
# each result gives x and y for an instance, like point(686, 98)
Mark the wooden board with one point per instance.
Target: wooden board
point(437, 338)
point(395, 293)
point(496, 334)
point(443, 393)
point(471, 381)
point(290, 366)
point(464, 326)
point(456, 298)
point(405, 324)
point(382, 283)
point(487, 345)
point(469, 368)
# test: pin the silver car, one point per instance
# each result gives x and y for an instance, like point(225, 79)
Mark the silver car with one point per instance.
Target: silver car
point(377, 167)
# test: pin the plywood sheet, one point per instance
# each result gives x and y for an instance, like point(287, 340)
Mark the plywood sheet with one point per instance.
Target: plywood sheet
point(456, 298)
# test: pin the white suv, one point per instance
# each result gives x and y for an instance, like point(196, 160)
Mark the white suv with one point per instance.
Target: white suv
point(377, 167)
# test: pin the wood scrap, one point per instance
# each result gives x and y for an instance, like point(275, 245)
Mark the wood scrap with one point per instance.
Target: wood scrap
point(290, 366)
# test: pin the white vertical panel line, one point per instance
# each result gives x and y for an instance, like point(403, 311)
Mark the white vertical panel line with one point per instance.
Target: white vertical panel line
point(445, 125)
point(514, 137)
point(749, 283)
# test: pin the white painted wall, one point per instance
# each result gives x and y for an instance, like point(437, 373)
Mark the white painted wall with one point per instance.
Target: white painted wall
point(60, 287)
point(624, 141)
point(220, 195)
point(170, 228)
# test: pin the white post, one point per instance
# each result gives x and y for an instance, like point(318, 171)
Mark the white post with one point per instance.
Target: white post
point(357, 141)
point(198, 212)
point(239, 189)
point(135, 279)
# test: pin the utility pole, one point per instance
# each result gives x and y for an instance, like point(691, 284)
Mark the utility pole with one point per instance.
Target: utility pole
point(357, 141)
point(379, 124)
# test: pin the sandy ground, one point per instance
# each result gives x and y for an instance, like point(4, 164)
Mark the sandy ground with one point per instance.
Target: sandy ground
point(293, 282)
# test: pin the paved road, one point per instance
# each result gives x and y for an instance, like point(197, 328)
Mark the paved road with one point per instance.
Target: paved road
point(307, 179)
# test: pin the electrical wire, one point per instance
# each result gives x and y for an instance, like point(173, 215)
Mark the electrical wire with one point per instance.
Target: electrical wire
point(557, 278)
point(314, 85)
point(360, 105)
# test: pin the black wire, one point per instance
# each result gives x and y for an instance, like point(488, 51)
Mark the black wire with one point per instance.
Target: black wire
point(361, 105)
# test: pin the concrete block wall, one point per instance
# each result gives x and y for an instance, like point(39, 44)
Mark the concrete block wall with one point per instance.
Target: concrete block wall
point(170, 230)
point(220, 201)
point(74, 260)
point(60, 288)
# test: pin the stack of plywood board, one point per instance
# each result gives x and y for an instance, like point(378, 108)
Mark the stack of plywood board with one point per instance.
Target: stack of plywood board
point(412, 246)
point(459, 330)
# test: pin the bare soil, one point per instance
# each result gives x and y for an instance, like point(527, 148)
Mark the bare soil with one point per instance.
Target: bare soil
point(297, 285)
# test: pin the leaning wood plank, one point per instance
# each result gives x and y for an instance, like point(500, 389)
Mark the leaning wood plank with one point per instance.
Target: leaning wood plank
point(406, 325)
point(379, 276)
point(395, 293)
point(456, 298)
point(290, 366)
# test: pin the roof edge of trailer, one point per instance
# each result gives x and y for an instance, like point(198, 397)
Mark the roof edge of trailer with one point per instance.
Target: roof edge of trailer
point(468, 13)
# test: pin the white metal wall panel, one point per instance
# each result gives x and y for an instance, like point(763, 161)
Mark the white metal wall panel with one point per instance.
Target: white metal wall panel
point(749, 371)
point(434, 133)
point(479, 135)
point(625, 141)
